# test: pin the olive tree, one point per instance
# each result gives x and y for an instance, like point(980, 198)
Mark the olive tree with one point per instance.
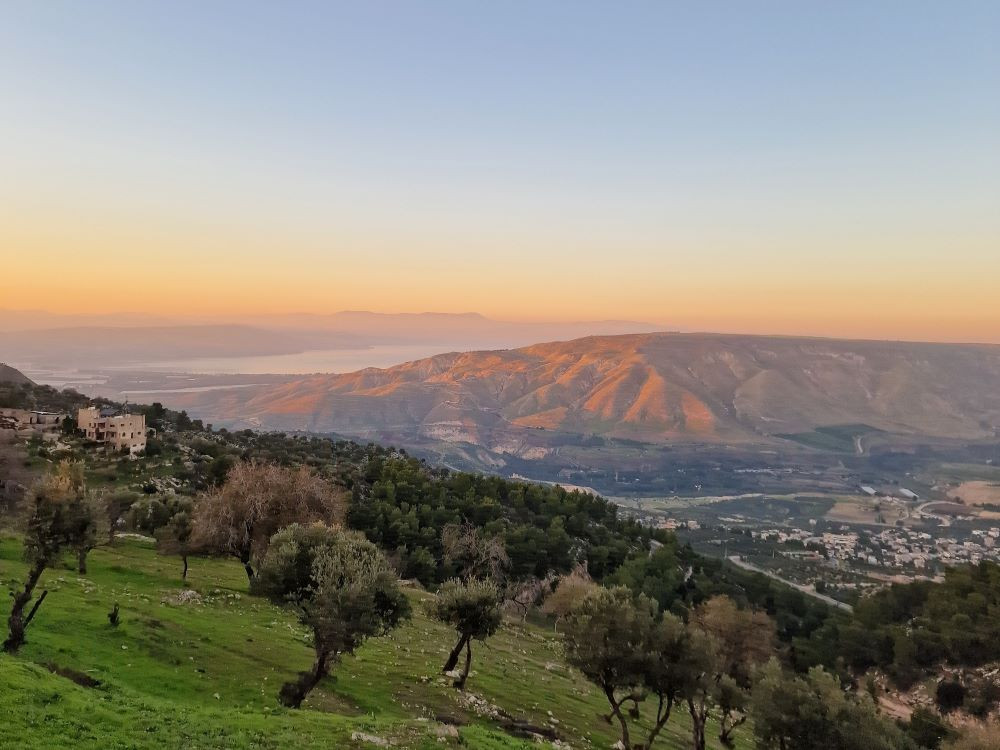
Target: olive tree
point(569, 592)
point(606, 637)
point(83, 516)
point(676, 659)
point(739, 641)
point(474, 608)
point(175, 537)
point(621, 643)
point(60, 516)
point(117, 507)
point(341, 588)
point(256, 500)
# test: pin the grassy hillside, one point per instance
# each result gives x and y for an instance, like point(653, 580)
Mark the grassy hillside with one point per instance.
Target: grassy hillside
point(206, 674)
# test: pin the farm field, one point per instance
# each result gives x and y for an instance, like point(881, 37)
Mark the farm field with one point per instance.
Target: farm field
point(977, 492)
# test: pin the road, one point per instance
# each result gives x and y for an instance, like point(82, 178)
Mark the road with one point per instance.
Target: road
point(943, 520)
point(735, 560)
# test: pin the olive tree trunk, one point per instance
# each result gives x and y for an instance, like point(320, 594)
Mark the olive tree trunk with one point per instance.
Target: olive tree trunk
point(18, 623)
point(293, 693)
point(699, 717)
point(455, 653)
point(460, 680)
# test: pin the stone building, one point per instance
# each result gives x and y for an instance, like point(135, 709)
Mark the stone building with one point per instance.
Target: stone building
point(44, 422)
point(119, 431)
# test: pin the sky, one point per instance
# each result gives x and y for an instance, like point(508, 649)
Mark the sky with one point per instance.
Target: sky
point(768, 167)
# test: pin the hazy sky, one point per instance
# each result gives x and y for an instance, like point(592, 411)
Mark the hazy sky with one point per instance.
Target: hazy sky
point(799, 167)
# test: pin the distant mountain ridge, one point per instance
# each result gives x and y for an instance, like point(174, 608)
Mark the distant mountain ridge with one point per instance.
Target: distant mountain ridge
point(125, 345)
point(67, 341)
point(656, 388)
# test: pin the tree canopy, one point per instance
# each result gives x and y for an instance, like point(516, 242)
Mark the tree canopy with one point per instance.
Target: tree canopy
point(341, 587)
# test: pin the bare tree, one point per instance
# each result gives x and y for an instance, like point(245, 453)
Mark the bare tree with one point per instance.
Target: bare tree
point(474, 554)
point(256, 500)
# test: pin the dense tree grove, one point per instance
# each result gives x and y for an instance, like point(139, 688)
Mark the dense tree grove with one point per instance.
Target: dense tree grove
point(401, 504)
point(42, 397)
point(813, 711)
point(908, 629)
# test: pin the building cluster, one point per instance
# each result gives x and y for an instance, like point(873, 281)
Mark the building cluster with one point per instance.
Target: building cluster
point(116, 429)
point(44, 423)
point(903, 492)
point(672, 524)
point(895, 548)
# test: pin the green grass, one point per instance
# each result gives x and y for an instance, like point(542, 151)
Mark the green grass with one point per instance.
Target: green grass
point(963, 472)
point(837, 438)
point(206, 675)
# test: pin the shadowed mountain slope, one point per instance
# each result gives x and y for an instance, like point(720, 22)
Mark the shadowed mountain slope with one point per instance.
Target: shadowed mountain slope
point(9, 375)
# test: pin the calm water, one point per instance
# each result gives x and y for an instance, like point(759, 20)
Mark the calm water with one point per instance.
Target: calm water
point(319, 360)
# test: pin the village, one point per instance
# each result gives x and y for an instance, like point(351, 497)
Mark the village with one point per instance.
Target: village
point(900, 548)
point(848, 543)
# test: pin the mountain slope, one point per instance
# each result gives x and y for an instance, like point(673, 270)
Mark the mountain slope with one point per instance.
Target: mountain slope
point(656, 388)
point(9, 375)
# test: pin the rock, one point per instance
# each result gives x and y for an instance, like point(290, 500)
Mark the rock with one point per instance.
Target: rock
point(370, 739)
point(446, 730)
point(185, 596)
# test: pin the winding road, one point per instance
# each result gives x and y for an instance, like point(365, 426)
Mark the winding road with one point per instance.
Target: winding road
point(735, 560)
